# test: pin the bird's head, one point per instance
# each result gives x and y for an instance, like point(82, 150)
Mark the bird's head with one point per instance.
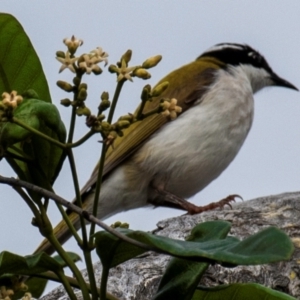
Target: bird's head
point(242, 57)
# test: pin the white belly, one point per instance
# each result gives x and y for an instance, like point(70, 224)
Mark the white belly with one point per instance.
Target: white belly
point(190, 152)
point(185, 155)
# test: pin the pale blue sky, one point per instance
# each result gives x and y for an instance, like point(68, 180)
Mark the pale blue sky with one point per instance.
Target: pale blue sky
point(269, 161)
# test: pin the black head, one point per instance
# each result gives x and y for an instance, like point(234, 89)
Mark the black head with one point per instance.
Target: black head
point(238, 54)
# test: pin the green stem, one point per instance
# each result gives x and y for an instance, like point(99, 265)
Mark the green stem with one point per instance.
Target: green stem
point(57, 246)
point(82, 140)
point(77, 193)
point(69, 224)
point(103, 285)
point(72, 125)
point(140, 112)
point(66, 284)
point(73, 114)
point(98, 187)
point(115, 100)
point(85, 241)
point(36, 132)
point(29, 202)
point(91, 274)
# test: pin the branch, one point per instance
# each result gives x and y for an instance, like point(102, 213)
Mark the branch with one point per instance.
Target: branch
point(88, 216)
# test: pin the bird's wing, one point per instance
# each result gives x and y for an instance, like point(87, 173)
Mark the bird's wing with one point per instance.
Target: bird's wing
point(199, 74)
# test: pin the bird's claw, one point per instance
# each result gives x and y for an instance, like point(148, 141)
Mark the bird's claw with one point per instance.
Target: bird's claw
point(193, 209)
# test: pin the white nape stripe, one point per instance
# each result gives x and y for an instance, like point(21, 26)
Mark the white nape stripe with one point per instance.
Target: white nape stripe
point(220, 47)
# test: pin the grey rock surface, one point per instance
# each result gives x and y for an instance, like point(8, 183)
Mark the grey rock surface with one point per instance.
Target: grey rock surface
point(139, 277)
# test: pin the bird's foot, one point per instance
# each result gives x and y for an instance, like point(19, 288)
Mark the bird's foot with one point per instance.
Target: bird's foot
point(193, 209)
point(171, 200)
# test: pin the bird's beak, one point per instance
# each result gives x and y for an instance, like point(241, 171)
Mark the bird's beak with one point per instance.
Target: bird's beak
point(278, 81)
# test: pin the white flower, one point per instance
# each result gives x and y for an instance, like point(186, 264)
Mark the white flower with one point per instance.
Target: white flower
point(100, 55)
point(12, 99)
point(27, 296)
point(89, 64)
point(67, 62)
point(72, 43)
point(171, 109)
point(125, 72)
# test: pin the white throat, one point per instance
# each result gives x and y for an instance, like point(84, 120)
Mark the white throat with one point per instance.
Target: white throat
point(257, 77)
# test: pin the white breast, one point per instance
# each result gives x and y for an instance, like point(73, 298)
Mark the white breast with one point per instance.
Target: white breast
point(190, 152)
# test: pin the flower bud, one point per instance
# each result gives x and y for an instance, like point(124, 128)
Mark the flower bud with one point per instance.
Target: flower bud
point(141, 73)
point(97, 70)
point(124, 225)
point(76, 80)
point(65, 86)
point(83, 111)
point(113, 69)
point(129, 118)
point(82, 95)
point(60, 54)
point(105, 126)
point(66, 102)
point(82, 86)
point(101, 117)
point(159, 89)
point(105, 104)
point(151, 62)
point(104, 96)
point(116, 224)
point(123, 124)
point(146, 92)
point(126, 56)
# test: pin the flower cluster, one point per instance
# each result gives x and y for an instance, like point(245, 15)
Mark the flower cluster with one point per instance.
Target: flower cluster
point(5, 294)
point(170, 109)
point(11, 100)
point(126, 73)
point(87, 63)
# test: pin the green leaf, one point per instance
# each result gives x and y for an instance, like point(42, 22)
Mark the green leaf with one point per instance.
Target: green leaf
point(35, 285)
point(269, 245)
point(13, 264)
point(74, 256)
point(33, 159)
point(42, 158)
point(112, 251)
point(28, 265)
point(182, 276)
point(239, 291)
point(20, 67)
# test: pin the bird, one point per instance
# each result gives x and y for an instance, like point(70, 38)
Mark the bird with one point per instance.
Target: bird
point(158, 159)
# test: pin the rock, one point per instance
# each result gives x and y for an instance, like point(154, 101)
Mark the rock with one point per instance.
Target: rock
point(139, 277)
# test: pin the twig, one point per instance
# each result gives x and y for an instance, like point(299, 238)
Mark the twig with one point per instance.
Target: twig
point(88, 216)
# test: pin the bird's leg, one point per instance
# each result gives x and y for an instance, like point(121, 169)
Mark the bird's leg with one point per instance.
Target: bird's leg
point(170, 200)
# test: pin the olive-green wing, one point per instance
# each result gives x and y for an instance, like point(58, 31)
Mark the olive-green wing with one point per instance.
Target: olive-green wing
point(199, 74)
